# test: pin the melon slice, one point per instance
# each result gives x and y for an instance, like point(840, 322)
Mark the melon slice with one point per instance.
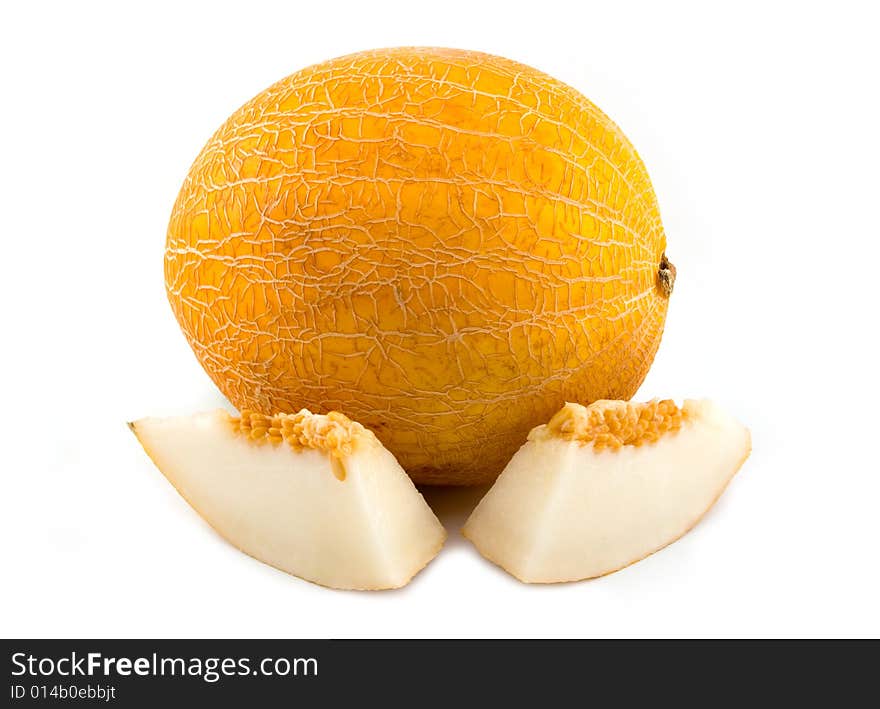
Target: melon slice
point(313, 495)
point(603, 486)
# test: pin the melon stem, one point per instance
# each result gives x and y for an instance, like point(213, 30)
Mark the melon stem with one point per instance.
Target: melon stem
point(666, 275)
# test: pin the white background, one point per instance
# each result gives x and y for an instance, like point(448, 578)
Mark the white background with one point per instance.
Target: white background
point(759, 126)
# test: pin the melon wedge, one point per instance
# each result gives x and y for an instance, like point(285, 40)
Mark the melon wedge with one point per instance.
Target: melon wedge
point(314, 495)
point(603, 486)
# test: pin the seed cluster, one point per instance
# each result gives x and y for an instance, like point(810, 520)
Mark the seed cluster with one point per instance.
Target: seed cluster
point(333, 433)
point(614, 424)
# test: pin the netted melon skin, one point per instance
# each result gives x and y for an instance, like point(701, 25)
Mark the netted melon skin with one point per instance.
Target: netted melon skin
point(443, 245)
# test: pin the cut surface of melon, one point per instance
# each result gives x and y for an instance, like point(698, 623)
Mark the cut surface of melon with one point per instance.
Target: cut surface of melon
point(314, 495)
point(601, 487)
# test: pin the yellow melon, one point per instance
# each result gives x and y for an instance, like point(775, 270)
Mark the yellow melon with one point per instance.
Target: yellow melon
point(442, 244)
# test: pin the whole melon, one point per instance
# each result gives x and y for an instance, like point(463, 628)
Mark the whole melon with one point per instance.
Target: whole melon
point(441, 244)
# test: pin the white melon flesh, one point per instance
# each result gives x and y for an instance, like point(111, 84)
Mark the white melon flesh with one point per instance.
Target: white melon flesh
point(603, 486)
point(316, 496)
